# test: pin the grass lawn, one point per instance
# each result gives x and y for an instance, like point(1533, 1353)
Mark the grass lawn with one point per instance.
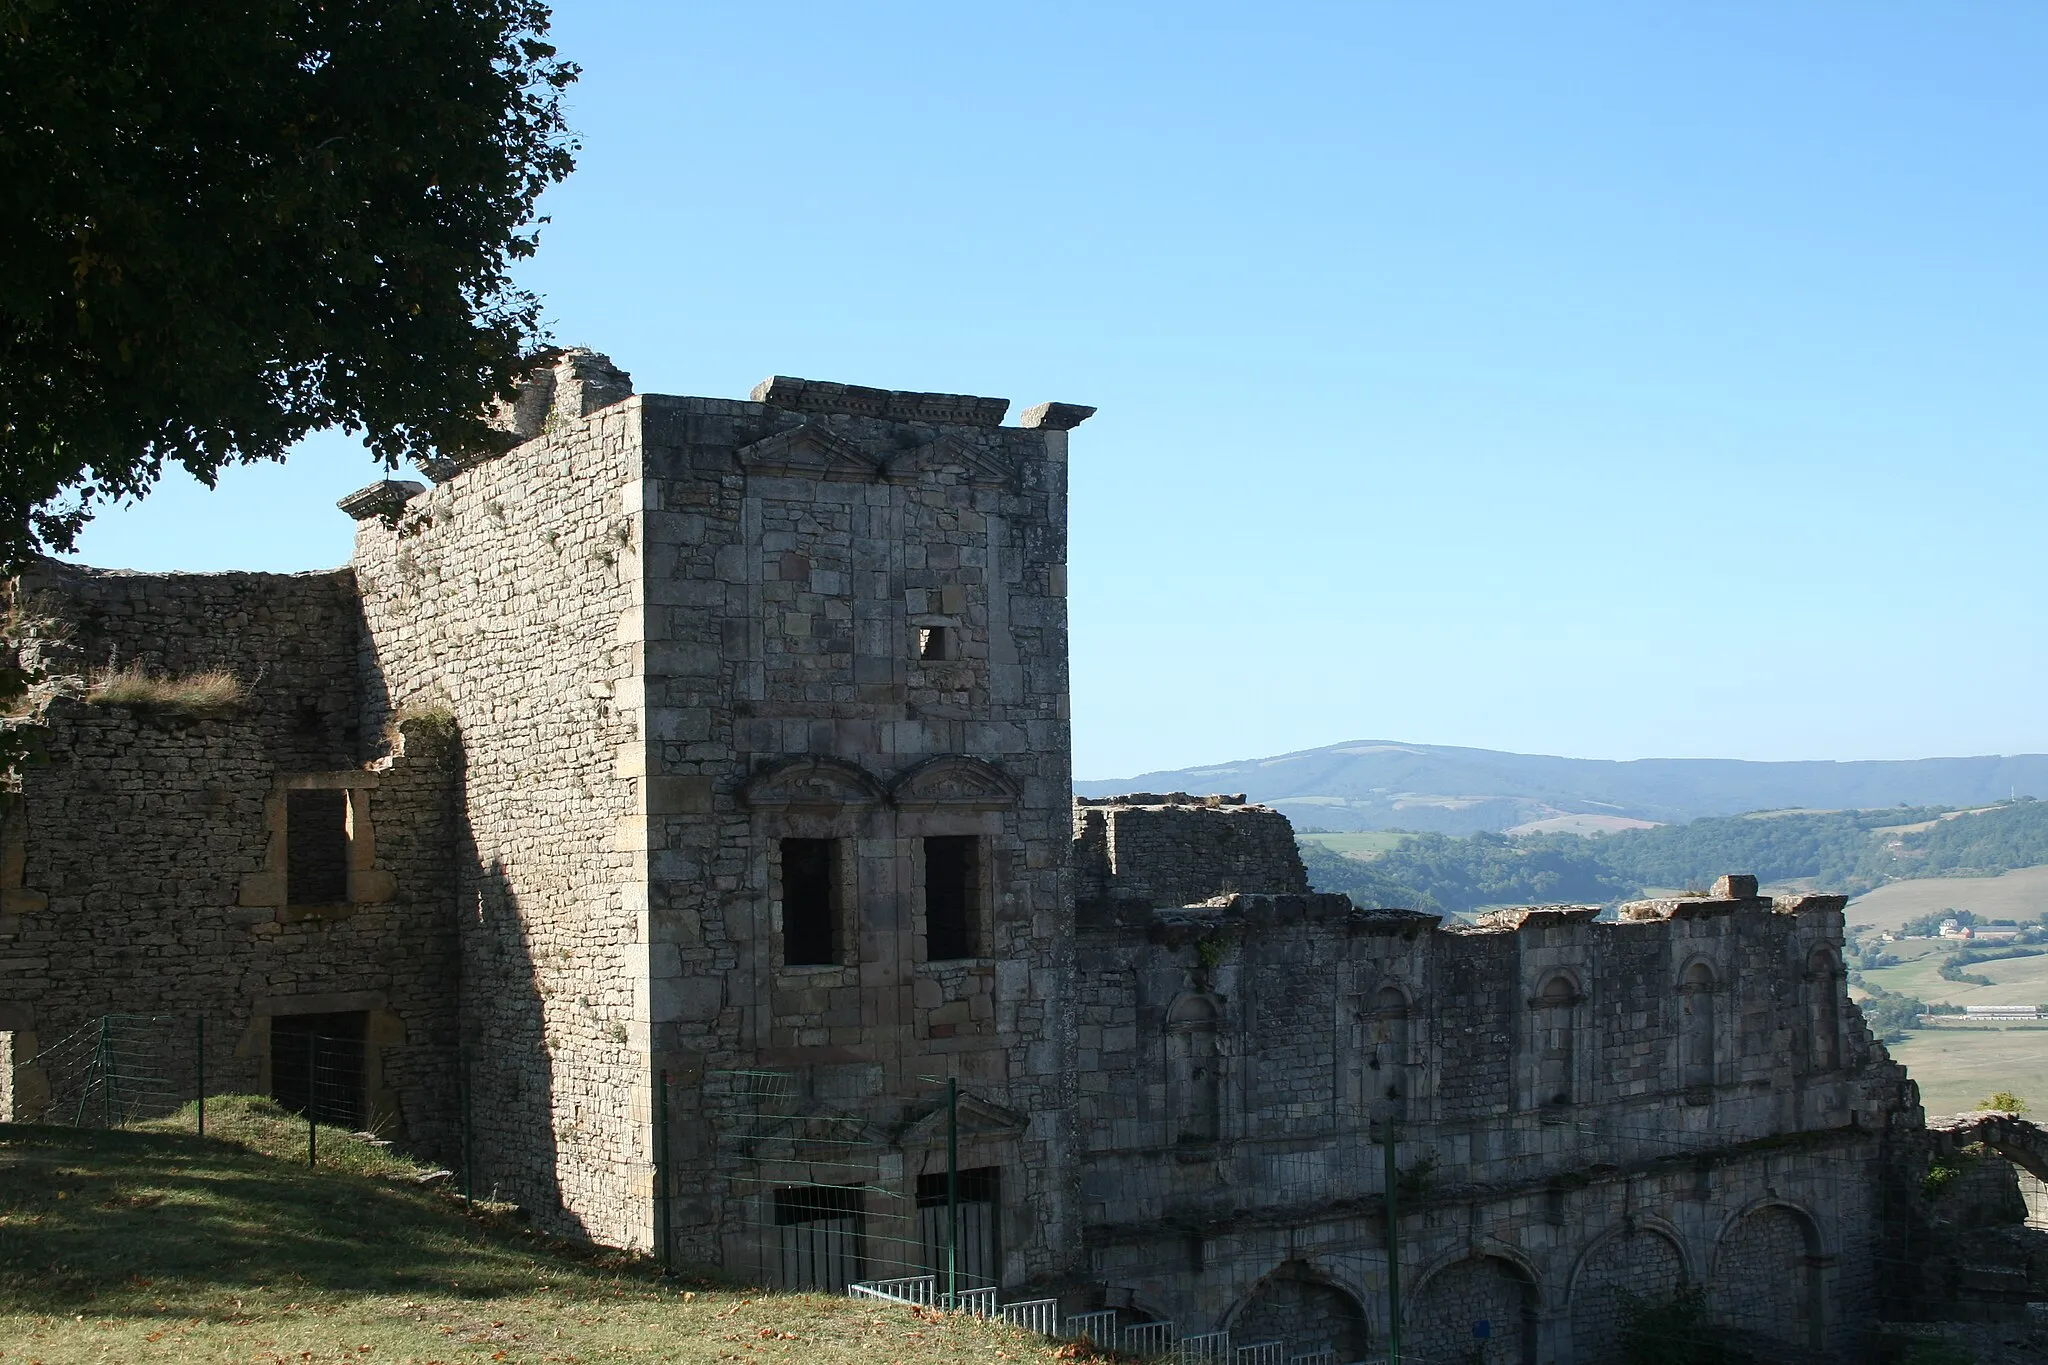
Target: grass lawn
point(160, 1246)
point(1958, 1065)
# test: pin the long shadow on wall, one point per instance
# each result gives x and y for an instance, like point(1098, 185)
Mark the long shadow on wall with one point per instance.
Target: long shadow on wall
point(505, 1058)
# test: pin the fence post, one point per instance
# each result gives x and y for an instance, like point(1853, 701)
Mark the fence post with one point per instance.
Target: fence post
point(1393, 1180)
point(952, 1191)
point(312, 1091)
point(199, 1046)
point(106, 1077)
point(662, 1216)
point(468, 1144)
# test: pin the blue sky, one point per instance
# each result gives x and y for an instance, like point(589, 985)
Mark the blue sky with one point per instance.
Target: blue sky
point(1601, 380)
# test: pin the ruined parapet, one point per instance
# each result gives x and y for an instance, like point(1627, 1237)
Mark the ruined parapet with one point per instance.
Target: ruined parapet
point(563, 387)
point(1173, 849)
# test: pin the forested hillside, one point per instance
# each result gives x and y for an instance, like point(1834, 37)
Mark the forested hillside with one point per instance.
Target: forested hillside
point(1850, 851)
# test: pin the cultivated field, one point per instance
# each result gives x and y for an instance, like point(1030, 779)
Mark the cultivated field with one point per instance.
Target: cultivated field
point(1361, 845)
point(1958, 1065)
point(2021, 980)
point(2021, 894)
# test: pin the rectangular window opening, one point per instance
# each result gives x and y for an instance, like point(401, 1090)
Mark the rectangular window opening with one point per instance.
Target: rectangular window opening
point(932, 644)
point(810, 902)
point(316, 847)
point(952, 896)
point(316, 1065)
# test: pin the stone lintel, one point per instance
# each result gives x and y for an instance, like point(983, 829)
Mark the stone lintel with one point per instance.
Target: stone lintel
point(384, 498)
point(892, 405)
point(1055, 416)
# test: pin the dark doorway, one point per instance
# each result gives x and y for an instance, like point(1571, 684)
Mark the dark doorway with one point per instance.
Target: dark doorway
point(952, 896)
point(819, 1237)
point(316, 1065)
point(810, 902)
point(316, 847)
point(978, 1259)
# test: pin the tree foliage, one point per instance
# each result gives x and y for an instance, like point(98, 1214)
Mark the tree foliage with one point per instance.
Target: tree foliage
point(228, 223)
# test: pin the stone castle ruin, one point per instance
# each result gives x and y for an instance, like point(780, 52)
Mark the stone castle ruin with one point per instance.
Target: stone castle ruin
point(659, 815)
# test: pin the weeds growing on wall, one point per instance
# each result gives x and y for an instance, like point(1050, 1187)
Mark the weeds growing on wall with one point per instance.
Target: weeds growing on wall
point(1672, 1331)
point(429, 729)
point(195, 694)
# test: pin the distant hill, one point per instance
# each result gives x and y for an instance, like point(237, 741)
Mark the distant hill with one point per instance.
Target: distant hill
point(1382, 784)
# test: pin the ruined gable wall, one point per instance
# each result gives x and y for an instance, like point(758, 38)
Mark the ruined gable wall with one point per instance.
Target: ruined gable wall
point(501, 594)
point(793, 555)
point(1176, 849)
point(1305, 1050)
point(135, 859)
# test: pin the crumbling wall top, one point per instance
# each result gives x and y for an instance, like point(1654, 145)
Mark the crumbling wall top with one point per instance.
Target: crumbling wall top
point(895, 405)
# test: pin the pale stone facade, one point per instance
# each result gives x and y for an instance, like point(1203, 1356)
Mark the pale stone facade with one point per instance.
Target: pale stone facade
point(719, 749)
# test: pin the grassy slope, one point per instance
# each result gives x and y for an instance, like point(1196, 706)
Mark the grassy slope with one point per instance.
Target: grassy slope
point(159, 1246)
point(2020, 894)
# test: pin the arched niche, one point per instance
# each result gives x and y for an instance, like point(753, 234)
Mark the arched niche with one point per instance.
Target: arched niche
point(1824, 1010)
point(1194, 1069)
point(1767, 1275)
point(1623, 1269)
point(1480, 1309)
point(1302, 1309)
point(1390, 1055)
point(1697, 985)
point(1555, 1007)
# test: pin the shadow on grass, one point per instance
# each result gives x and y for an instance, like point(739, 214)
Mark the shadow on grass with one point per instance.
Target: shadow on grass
point(120, 1223)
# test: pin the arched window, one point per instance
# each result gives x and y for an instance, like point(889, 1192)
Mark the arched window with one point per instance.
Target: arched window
point(1193, 1079)
point(1823, 982)
point(1556, 1068)
point(1390, 1066)
point(1696, 1026)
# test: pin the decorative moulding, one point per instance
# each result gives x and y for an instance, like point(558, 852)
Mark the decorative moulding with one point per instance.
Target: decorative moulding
point(809, 451)
point(811, 780)
point(981, 466)
point(955, 781)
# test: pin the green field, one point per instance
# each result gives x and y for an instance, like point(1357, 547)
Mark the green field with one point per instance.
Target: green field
point(1958, 1065)
point(2021, 980)
point(2021, 894)
point(1360, 845)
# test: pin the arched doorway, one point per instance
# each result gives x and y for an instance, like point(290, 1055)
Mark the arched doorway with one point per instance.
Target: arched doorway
point(1765, 1279)
point(1480, 1310)
point(1635, 1266)
point(1302, 1310)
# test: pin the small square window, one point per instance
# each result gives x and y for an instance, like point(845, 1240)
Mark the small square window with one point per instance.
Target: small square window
point(933, 644)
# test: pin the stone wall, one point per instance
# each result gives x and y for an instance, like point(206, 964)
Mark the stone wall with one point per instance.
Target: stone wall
point(1149, 850)
point(507, 595)
point(856, 630)
point(139, 861)
point(1557, 1084)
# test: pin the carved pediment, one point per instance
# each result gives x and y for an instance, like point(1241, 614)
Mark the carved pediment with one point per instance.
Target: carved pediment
point(979, 1118)
point(811, 780)
point(979, 466)
point(812, 452)
point(955, 780)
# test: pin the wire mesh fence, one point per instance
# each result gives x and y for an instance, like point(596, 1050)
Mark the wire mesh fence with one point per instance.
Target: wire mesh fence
point(121, 1069)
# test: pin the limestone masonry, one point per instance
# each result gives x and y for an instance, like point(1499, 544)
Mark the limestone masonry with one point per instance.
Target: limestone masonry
point(718, 752)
